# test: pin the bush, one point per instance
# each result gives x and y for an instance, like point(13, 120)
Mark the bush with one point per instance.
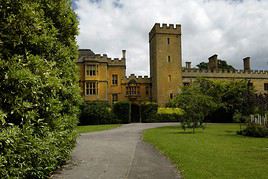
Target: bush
point(121, 112)
point(27, 155)
point(148, 112)
point(255, 130)
point(95, 113)
point(169, 115)
point(39, 90)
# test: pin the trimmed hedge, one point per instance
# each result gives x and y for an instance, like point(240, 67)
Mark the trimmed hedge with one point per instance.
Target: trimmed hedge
point(148, 112)
point(121, 112)
point(97, 112)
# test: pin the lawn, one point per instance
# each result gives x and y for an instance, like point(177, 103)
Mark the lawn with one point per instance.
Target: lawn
point(94, 128)
point(215, 153)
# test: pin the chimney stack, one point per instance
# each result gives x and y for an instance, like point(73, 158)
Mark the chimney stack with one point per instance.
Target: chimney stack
point(213, 62)
point(188, 65)
point(124, 54)
point(246, 64)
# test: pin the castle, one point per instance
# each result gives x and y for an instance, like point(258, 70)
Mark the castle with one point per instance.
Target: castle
point(104, 79)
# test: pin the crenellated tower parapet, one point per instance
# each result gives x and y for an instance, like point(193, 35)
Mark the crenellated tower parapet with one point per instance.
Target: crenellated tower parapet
point(165, 29)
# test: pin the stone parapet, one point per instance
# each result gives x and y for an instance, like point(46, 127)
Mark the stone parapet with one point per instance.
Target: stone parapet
point(138, 79)
point(252, 74)
point(165, 29)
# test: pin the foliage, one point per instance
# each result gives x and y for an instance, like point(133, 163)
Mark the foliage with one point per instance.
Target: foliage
point(222, 64)
point(38, 86)
point(216, 153)
point(95, 113)
point(195, 104)
point(121, 111)
point(148, 112)
point(255, 130)
point(94, 128)
point(230, 96)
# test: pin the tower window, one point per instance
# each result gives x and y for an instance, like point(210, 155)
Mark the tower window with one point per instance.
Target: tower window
point(168, 41)
point(171, 95)
point(114, 97)
point(91, 88)
point(169, 59)
point(114, 79)
point(266, 86)
point(169, 78)
point(147, 90)
point(91, 70)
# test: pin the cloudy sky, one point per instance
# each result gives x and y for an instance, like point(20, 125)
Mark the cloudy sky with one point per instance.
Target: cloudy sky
point(233, 29)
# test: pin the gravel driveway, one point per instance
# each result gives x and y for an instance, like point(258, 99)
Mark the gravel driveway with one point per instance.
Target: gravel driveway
point(118, 154)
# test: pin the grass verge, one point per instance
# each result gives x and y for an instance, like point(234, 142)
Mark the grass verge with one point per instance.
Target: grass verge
point(215, 153)
point(94, 128)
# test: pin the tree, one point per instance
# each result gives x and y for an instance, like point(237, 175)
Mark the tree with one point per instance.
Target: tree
point(38, 84)
point(222, 64)
point(195, 104)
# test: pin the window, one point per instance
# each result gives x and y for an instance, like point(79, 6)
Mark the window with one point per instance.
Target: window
point(133, 90)
point(91, 70)
point(169, 78)
point(147, 90)
point(168, 59)
point(171, 95)
point(91, 88)
point(186, 84)
point(168, 41)
point(266, 86)
point(114, 79)
point(114, 97)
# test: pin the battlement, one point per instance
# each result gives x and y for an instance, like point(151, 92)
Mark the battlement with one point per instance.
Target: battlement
point(87, 55)
point(257, 74)
point(165, 29)
point(138, 79)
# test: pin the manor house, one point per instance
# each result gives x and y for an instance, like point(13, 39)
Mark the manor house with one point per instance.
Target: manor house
point(104, 79)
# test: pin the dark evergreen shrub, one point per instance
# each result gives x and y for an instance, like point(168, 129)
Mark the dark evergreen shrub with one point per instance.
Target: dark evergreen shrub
point(148, 112)
point(96, 113)
point(255, 130)
point(121, 112)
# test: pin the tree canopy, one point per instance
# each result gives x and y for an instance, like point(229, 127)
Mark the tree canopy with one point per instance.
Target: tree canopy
point(222, 64)
point(39, 88)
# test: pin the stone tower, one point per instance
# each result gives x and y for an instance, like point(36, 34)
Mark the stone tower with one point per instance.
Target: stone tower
point(165, 62)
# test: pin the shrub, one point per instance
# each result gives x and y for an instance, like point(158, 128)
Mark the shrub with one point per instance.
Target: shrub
point(169, 114)
point(95, 113)
point(148, 112)
point(255, 130)
point(39, 89)
point(121, 111)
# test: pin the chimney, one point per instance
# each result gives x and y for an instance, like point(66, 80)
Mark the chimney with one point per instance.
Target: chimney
point(188, 65)
point(246, 64)
point(213, 62)
point(124, 54)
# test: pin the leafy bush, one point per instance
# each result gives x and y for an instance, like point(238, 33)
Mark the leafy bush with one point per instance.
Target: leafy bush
point(254, 130)
point(96, 113)
point(148, 112)
point(169, 115)
point(121, 112)
point(39, 90)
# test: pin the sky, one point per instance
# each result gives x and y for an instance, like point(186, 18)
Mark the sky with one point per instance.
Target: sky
point(233, 29)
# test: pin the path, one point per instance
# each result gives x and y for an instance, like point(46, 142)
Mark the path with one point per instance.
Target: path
point(118, 154)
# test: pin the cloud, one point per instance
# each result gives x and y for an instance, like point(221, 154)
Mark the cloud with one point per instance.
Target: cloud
point(233, 29)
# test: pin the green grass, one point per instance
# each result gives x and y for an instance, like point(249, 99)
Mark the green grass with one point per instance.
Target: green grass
point(94, 128)
point(215, 153)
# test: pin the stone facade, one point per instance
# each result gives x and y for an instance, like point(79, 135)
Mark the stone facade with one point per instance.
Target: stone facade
point(104, 79)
